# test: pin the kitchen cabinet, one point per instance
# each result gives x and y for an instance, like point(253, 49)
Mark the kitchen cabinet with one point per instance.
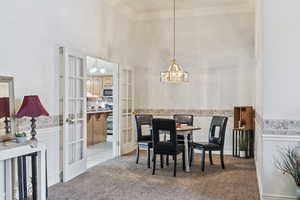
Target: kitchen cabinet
point(96, 127)
point(95, 85)
point(107, 81)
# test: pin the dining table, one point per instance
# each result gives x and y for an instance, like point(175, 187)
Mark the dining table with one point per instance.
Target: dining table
point(186, 131)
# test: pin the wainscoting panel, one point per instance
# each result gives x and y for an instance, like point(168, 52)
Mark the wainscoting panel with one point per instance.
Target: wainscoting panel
point(276, 185)
point(2, 186)
point(50, 137)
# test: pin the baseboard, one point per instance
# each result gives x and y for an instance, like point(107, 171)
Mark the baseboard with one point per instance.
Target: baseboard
point(53, 179)
point(226, 152)
point(258, 177)
point(277, 197)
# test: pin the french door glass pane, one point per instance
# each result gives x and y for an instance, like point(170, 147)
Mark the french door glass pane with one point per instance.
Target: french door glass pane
point(124, 77)
point(123, 91)
point(72, 148)
point(72, 66)
point(129, 135)
point(129, 91)
point(79, 110)
point(124, 106)
point(80, 130)
point(72, 109)
point(72, 88)
point(80, 88)
point(79, 64)
point(130, 106)
point(72, 133)
point(124, 136)
point(129, 124)
point(79, 151)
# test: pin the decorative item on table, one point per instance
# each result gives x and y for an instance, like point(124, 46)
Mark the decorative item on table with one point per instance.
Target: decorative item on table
point(4, 112)
point(289, 163)
point(241, 124)
point(178, 125)
point(32, 107)
point(21, 137)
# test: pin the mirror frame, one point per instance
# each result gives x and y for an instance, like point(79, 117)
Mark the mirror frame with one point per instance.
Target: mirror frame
point(10, 81)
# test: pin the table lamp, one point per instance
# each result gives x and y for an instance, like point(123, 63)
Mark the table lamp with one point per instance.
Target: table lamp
point(32, 107)
point(4, 112)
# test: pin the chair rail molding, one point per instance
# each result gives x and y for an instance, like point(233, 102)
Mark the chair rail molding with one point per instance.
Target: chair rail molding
point(195, 112)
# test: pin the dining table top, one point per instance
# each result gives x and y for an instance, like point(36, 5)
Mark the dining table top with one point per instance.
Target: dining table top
point(188, 128)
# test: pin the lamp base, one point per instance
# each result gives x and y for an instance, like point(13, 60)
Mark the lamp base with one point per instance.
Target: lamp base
point(33, 131)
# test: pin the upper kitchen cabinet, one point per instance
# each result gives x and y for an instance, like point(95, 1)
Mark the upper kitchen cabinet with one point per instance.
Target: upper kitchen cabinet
point(107, 81)
point(96, 84)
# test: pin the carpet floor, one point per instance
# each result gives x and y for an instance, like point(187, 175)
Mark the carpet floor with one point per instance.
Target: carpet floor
point(122, 179)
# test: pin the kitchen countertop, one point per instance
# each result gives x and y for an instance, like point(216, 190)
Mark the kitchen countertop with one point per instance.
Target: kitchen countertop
point(99, 111)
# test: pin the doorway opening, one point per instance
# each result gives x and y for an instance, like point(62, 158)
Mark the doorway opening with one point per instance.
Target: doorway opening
point(101, 89)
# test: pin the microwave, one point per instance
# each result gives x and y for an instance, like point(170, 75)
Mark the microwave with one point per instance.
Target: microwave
point(108, 92)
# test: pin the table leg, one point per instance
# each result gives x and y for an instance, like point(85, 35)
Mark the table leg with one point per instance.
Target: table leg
point(186, 146)
point(41, 176)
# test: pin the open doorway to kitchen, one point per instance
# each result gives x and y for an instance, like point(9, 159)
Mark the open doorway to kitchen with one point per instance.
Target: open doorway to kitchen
point(101, 104)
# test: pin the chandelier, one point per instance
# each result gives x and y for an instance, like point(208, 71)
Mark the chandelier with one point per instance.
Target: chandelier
point(175, 73)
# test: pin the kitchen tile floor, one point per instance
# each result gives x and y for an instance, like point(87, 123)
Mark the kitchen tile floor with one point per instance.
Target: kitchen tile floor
point(99, 153)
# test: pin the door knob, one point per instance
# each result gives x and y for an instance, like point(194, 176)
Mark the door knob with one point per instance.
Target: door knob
point(70, 121)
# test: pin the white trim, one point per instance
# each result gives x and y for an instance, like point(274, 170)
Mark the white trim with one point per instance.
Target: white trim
point(71, 170)
point(116, 113)
point(258, 177)
point(277, 197)
point(281, 137)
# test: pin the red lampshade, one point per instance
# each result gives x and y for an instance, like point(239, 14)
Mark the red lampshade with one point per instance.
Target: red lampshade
point(4, 107)
point(31, 107)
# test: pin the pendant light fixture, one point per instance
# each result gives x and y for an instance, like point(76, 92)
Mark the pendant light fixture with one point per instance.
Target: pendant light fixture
point(175, 73)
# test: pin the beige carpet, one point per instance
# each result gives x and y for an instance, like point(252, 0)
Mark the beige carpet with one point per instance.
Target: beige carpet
point(122, 179)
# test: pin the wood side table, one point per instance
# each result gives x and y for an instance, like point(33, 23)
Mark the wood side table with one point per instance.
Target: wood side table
point(243, 134)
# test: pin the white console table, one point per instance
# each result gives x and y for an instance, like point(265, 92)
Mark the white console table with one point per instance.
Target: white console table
point(12, 150)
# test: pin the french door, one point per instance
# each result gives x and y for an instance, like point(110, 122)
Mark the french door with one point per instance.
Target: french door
point(127, 138)
point(73, 107)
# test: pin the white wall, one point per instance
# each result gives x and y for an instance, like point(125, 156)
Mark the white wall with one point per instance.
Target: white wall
point(31, 33)
point(216, 50)
point(277, 99)
point(281, 47)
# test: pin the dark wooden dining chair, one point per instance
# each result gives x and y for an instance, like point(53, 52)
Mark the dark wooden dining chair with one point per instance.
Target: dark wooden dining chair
point(215, 140)
point(143, 139)
point(188, 120)
point(166, 147)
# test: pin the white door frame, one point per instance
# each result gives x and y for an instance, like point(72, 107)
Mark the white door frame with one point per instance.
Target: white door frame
point(126, 103)
point(78, 165)
point(116, 113)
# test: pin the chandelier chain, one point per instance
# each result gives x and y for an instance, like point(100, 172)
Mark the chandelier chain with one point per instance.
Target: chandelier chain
point(174, 29)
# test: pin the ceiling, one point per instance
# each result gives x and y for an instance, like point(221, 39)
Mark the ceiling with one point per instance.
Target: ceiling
point(143, 6)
